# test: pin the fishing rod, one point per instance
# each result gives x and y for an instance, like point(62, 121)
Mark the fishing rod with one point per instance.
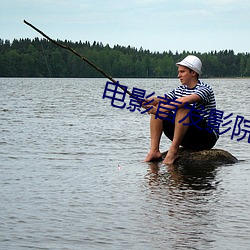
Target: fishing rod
point(80, 56)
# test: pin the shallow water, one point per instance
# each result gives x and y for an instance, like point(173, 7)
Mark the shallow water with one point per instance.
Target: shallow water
point(72, 175)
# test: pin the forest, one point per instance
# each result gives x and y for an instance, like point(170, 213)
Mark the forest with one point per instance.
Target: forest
point(41, 58)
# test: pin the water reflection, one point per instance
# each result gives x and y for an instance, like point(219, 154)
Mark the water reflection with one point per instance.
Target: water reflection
point(183, 177)
point(183, 197)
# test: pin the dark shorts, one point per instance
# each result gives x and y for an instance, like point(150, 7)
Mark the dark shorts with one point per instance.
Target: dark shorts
point(195, 138)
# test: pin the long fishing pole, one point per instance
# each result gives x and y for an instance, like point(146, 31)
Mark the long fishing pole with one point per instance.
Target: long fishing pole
point(77, 54)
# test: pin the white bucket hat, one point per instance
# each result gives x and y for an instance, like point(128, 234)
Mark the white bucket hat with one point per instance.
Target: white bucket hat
point(191, 62)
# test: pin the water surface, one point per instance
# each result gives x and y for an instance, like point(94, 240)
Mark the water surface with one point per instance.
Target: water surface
point(72, 175)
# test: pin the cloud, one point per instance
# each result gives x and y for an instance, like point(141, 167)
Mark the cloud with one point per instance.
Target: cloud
point(148, 2)
point(225, 5)
point(152, 24)
point(83, 6)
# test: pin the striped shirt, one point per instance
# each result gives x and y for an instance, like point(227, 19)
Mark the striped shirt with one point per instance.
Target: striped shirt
point(204, 91)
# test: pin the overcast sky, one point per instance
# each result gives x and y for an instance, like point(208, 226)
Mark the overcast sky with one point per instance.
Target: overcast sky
point(157, 25)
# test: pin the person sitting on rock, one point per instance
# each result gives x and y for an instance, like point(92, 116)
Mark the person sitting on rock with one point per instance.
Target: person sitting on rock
point(183, 114)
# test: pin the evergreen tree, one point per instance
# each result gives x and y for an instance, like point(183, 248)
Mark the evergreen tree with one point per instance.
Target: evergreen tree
point(41, 58)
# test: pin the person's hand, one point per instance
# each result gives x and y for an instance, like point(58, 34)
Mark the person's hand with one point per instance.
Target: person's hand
point(149, 101)
point(152, 110)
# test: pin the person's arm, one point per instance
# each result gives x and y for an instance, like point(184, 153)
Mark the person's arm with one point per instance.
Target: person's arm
point(155, 101)
point(188, 99)
point(180, 102)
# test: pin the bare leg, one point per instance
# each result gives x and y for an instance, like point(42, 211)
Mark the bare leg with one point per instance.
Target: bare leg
point(156, 128)
point(179, 132)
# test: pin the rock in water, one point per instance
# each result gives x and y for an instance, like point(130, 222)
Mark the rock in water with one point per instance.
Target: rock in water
point(204, 157)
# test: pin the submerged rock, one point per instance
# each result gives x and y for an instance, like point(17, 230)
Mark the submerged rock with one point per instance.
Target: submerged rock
point(204, 157)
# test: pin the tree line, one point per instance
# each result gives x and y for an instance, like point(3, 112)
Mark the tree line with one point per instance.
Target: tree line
point(41, 58)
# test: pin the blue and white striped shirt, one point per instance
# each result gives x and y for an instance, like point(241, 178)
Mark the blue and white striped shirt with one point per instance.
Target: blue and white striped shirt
point(204, 91)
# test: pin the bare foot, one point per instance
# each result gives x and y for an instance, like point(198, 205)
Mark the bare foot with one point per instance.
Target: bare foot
point(171, 156)
point(153, 156)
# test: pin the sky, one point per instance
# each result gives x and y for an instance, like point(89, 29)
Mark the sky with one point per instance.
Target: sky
point(155, 25)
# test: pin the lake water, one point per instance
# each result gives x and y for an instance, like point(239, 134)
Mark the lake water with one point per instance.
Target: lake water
point(72, 174)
